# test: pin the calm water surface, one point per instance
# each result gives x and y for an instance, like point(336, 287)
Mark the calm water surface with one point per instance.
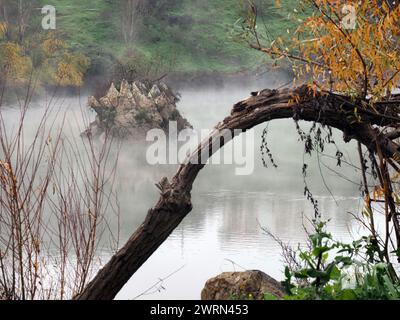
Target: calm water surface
point(224, 230)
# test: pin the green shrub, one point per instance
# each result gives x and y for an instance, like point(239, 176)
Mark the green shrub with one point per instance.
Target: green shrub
point(331, 270)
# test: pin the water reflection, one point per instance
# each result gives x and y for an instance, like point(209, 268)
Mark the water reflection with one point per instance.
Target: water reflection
point(225, 227)
point(223, 232)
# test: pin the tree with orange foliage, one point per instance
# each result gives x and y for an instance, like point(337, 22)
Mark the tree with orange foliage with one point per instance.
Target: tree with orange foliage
point(362, 61)
point(349, 53)
point(27, 53)
point(53, 63)
point(14, 65)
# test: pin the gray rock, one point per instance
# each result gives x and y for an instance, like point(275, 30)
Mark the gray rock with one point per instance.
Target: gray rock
point(134, 109)
point(112, 96)
point(154, 92)
point(94, 103)
point(242, 286)
point(125, 90)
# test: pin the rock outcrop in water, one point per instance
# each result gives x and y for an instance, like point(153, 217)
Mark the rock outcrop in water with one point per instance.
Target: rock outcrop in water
point(135, 108)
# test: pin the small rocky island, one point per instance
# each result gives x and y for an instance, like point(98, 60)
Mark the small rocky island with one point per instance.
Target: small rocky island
point(129, 110)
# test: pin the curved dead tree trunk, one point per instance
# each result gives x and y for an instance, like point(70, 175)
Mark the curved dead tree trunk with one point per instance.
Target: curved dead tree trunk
point(175, 201)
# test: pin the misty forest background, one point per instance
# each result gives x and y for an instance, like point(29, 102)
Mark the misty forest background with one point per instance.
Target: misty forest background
point(97, 39)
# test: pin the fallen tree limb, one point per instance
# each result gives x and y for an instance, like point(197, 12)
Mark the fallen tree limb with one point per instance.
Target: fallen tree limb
point(175, 199)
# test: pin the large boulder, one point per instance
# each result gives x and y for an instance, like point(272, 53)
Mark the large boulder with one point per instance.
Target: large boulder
point(241, 285)
point(131, 109)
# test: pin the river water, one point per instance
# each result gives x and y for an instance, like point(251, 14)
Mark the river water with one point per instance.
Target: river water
point(224, 232)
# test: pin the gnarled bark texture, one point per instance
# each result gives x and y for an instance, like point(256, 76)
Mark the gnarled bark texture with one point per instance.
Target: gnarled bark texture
point(175, 203)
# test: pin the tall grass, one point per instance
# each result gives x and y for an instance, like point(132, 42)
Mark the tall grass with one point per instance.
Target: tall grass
point(55, 192)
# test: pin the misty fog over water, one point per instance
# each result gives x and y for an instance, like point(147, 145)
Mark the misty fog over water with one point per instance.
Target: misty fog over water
point(224, 230)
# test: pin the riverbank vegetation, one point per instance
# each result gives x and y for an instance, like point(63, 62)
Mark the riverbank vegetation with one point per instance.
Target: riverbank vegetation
point(350, 54)
point(96, 39)
point(347, 79)
point(327, 269)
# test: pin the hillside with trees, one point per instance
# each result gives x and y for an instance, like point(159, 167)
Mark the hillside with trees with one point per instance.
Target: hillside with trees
point(96, 38)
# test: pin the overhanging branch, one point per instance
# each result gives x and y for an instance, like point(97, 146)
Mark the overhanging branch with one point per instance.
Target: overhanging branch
point(175, 200)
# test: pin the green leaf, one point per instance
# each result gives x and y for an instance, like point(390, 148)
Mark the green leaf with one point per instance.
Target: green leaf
point(347, 294)
point(320, 250)
point(393, 293)
point(269, 296)
point(302, 274)
point(287, 273)
point(335, 273)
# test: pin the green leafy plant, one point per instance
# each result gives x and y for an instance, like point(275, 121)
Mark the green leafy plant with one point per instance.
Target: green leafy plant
point(269, 296)
point(332, 270)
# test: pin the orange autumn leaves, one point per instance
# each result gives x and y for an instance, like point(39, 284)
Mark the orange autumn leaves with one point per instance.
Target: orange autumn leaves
point(364, 61)
point(64, 67)
point(49, 59)
point(14, 65)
